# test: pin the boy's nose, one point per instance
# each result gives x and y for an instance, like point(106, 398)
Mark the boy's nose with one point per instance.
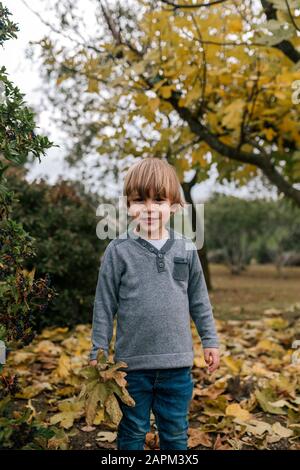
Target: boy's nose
point(152, 209)
point(148, 205)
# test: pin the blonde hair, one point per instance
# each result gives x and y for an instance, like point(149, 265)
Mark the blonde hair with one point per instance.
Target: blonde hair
point(152, 177)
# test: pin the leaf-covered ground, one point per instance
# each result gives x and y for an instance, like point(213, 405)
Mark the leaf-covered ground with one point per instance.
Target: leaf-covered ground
point(251, 402)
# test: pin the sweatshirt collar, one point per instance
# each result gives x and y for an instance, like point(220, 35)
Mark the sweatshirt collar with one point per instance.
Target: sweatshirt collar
point(146, 244)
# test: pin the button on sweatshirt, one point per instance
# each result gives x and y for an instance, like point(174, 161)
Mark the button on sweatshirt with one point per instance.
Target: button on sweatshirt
point(158, 243)
point(153, 293)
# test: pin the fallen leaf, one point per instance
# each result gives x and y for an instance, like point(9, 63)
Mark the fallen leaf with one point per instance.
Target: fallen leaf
point(281, 430)
point(198, 437)
point(238, 412)
point(88, 428)
point(106, 436)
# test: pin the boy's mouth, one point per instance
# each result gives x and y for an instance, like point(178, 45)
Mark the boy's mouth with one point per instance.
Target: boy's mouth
point(150, 219)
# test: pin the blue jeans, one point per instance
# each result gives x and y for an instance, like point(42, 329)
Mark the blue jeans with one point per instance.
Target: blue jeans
point(168, 393)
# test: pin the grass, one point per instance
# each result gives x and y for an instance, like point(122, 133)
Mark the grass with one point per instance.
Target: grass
point(258, 288)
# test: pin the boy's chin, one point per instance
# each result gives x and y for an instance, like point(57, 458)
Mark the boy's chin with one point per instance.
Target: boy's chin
point(151, 226)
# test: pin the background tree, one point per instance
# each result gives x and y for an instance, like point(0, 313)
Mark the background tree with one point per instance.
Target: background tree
point(195, 85)
point(233, 226)
point(239, 231)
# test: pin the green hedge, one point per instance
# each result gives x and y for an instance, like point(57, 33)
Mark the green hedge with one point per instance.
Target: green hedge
point(62, 219)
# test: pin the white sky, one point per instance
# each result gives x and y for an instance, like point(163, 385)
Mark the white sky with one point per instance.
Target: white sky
point(25, 75)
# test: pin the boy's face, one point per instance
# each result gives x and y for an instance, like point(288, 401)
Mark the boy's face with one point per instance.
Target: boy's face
point(151, 214)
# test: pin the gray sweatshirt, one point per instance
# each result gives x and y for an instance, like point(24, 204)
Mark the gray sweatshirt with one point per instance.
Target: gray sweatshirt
point(154, 293)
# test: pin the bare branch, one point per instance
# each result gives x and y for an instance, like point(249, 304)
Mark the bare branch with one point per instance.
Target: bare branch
point(60, 32)
point(204, 66)
point(291, 16)
point(111, 25)
point(246, 118)
point(284, 46)
point(175, 6)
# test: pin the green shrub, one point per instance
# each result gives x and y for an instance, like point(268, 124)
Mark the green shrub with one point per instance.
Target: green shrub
point(62, 220)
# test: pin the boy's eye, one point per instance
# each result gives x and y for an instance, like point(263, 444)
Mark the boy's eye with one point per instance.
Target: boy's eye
point(157, 201)
point(160, 200)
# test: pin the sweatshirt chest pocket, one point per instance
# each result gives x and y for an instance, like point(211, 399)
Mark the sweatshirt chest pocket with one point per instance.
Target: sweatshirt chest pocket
point(180, 268)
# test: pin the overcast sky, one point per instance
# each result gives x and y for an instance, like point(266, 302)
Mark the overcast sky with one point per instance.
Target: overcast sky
point(25, 75)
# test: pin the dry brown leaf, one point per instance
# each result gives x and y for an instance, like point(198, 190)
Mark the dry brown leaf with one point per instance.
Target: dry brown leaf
point(198, 437)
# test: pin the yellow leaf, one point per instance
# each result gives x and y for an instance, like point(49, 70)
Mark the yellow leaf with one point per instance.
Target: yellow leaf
point(22, 356)
point(285, 384)
point(64, 367)
point(70, 410)
point(166, 91)
point(140, 99)
point(285, 79)
point(191, 96)
point(99, 417)
point(212, 119)
point(54, 333)
point(29, 275)
point(139, 68)
point(154, 104)
point(33, 390)
point(233, 364)
point(61, 79)
point(198, 155)
point(269, 133)
point(226, 139)
point(232, 114)
point(159, 84)
point(276, 323)
point(268, 345)
point(260, 370)
point(238, 412)
point(199, 361)
point(280, 95)
point(235, 25)
point(93, 86)
point(47, 347)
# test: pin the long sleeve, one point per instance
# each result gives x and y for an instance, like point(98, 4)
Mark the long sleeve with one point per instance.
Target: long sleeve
point(106, 301)
point(199, 304)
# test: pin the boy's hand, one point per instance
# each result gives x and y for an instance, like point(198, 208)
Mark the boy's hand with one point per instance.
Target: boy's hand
point(93, 362)
point(212, 358)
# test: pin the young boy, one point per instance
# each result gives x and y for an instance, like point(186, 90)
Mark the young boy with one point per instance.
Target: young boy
point(152, 276)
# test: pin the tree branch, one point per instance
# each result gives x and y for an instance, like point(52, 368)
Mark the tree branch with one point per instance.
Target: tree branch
point(175, 6)
point(284, 46)
point(260, 160)
point(291, 16)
